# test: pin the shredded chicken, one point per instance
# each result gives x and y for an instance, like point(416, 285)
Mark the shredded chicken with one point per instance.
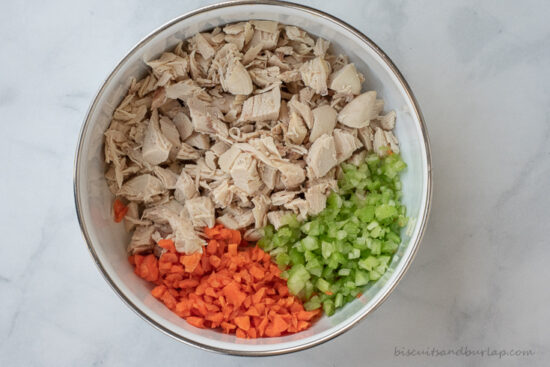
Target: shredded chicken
point(242, 126)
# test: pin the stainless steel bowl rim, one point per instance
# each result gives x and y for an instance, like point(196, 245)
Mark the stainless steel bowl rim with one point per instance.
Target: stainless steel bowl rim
point(424, 216)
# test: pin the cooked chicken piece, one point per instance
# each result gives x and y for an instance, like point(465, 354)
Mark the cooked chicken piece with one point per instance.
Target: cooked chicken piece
point(186, 89)
point(346, 143)
point(282, 197)
point(297, 129)
point(201, 211)
point(141, 188)
point(261, 204)
point(203, 47)
point(297, 34)
point(387, 122)
point(131, 219)
point(243, 216)
point(263, 77)
point(303, 110)
point(262, 107)
point(345, 80)
point(290, 76)
point(359, 111)
point(245, 174)
point(186, 239)
point(276, 217)
point(268, 175)
point(384, 140)
point(141, 240)
point(219, 148)
point(156, 146)
point(315, 74)
point(316, 198)
point(265, 25)
point(366, 135)
point(253, 235)
point(227, 159)
point(292, 175)
point(210, 160)
point(206, 119)
point(322, 155)
point(324, 120)
point(169, 130)
point(358, 158)
point(228, 221)
point(169, 67)
point(199, 141)
point(166, 177)
point(252, 53)
point(263, 39)
point(298, 206)
point(222, 195)
point(187, 152)
point(321, 47)
point(235, 79)
point(185, 188)
point(183, 124)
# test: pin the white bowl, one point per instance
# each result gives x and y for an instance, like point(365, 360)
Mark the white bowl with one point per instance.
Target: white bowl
point(107, 240)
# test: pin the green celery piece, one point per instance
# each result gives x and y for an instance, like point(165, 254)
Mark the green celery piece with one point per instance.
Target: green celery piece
point(361, 278)
point(328, 307)
point(323, 285)
point(385, 211)
point(369, 263)
point(297, 278)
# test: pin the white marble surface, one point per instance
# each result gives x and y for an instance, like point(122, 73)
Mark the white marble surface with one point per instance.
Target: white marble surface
point(480, 279)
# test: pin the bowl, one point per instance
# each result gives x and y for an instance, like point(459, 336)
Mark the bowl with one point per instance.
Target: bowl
point(107, 240)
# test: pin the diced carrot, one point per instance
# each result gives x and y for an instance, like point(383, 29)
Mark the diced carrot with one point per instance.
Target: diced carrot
point(119, 210)
point(232, 249)
point(158, 291)
point(167, 244)
point(190, 262)
point(243, 322)
point(195, 321)
point(240, 333)
point(359, 295)
point(233, 294)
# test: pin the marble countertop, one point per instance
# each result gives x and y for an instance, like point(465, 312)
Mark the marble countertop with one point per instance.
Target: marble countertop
point(480, 280)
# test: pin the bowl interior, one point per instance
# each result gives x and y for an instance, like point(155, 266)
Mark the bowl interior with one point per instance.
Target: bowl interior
point(108, 240)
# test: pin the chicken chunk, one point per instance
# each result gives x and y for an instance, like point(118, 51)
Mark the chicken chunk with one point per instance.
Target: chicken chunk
point(235, 78)
point(322, 155)
point(345, 143)
point(276, 218)
point(315, 196)
point(156, 147)
point(185, 188)
point(245, 173)
point(141, 188)
point(261, 205)
point(384, 141)
point(262, 107)
point(324, 120)
point(141, 240)
point(315, 74)
point(345, 80)
point(297, 129)
point(358, 113)
point(183, 124)
point(201, 211)
point(205, 118)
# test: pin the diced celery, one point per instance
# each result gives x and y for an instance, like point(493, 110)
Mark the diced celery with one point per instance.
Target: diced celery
point(313, 303)
point(338, 300)
point(369, 263)
point(385, 211)
point(310, 243)
point(326, 249)
point(297, 278)
point(344, 272)
point(296, 257)
point(323, 285)
point(354, 253)
point(361, 278)
point(328, 307)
